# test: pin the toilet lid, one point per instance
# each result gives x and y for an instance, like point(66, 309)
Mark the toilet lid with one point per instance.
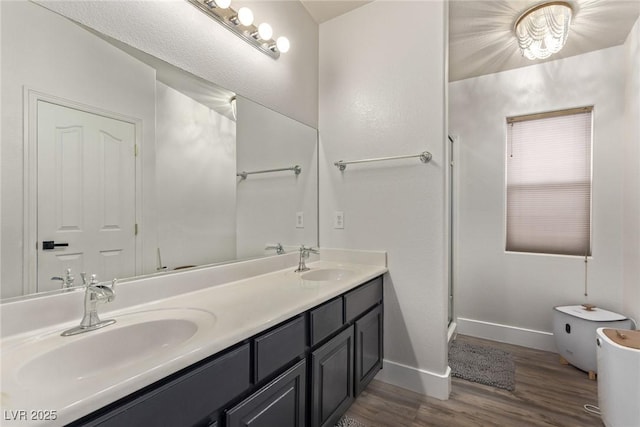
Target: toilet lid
point(595, 315)
point(624, 337)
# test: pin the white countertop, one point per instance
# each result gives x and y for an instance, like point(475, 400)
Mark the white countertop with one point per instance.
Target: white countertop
point(240, 310)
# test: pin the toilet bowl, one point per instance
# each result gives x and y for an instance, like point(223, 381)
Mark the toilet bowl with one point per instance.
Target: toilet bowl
point(618, 353)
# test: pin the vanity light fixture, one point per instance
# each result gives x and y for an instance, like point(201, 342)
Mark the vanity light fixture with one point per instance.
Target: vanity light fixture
point(543, 29)
point(241, 24)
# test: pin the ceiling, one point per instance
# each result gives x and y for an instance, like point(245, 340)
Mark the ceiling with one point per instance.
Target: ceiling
point(481, 39)
point(324, 10)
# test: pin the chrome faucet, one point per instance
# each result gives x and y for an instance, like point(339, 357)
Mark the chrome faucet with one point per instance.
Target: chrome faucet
point(94, 293)
point(304, 254)
point(278, 248)
point(67, 281)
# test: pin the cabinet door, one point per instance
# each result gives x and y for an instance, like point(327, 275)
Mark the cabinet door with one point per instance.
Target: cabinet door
point(280, 403)
point(275, 349)
point(368, 354)
point(332, 379)
point(326, 320)
point(362, 299)
point(187, 400)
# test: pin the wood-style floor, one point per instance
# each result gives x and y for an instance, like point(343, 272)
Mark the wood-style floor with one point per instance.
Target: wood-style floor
point(546, 394)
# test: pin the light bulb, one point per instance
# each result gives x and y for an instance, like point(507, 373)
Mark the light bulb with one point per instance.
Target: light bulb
point(265, 31)
point(222, 4)
point(245, 16)
point(283, 44)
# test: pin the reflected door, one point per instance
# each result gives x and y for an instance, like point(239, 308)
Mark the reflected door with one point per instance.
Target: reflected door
point(86, 195)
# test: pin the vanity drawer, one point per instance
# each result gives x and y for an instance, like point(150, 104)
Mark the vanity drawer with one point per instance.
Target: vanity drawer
point(278, 347)
point(188, 400)
point(360, 300)
point(325, 320)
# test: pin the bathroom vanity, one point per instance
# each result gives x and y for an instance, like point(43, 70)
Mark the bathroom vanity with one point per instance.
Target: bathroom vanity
point(271, 349)
point(264, 380)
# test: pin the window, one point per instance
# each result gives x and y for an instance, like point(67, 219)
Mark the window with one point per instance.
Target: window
point(549, 182)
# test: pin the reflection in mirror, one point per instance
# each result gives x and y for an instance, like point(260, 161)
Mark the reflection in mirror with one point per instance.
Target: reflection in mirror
point(118, 164)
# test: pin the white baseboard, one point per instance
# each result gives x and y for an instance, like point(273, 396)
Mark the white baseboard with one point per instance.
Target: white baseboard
point(508, 334)
point(418, 380)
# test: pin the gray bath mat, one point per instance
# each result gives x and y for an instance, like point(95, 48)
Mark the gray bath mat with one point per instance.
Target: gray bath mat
point(346, 421)
point(484, 365)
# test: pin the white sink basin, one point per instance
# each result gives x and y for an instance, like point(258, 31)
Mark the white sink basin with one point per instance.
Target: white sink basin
point(134, 338)
point(327, 274)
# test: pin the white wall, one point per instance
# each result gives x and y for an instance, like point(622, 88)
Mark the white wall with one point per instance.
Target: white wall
point(519, 290)
point(382, 93)
point(180, 34)
point(36, 54)
point(195, 176)
point(631, 218)
point(267, 203)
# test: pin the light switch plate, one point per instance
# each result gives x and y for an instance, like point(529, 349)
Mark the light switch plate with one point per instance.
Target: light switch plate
point(299, 219)
point(338, 220)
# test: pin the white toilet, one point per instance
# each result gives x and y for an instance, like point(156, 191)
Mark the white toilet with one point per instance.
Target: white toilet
point(619, 376)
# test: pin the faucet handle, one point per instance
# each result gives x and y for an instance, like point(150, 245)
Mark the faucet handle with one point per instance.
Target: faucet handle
point(94, 280)
point(83, 275)
point(278, 248)
point(68, 278)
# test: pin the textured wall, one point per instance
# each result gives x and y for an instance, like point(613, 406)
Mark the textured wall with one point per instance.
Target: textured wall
point(180, 34)
point(631, 220)
point(520, 290)
point(382, 93)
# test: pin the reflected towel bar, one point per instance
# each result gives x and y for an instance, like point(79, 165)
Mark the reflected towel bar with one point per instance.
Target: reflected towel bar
point(296, 169)
point(425, 157)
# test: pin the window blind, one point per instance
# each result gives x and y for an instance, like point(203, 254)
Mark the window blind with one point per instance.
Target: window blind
point(549, 183)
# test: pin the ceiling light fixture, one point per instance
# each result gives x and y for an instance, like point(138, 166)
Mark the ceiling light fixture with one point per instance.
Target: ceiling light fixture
point(241, 24)
point(542, 30)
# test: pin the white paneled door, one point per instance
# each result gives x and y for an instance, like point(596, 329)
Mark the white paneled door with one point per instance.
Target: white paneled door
point(86, 195)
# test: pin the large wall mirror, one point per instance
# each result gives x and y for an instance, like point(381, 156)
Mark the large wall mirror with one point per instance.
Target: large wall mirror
point(118, 164)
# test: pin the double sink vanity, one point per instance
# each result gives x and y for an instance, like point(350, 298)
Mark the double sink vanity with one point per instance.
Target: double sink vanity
point(250, 343)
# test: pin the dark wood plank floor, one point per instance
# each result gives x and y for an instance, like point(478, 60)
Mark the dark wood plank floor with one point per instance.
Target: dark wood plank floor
point(547, 394)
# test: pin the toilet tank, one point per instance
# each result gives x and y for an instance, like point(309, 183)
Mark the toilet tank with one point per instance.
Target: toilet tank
point(574, 331)
point(619, 377)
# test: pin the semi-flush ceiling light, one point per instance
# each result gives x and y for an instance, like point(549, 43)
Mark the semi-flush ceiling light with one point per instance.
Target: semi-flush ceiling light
point(542, 30)
point(241, 24)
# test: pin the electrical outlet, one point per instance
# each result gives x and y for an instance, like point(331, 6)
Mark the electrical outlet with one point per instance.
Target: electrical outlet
point(338, 220)
point(299, 219)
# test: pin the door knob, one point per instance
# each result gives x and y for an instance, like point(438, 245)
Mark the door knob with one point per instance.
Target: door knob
point(50, 244)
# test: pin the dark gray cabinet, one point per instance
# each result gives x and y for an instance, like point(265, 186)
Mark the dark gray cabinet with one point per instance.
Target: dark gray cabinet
point(326, 320)
point(280, 403)
point(276, 348)
point(332, 379)
point(187, 400)
point(304, 371)
point(361, 299)
point(369, 348)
